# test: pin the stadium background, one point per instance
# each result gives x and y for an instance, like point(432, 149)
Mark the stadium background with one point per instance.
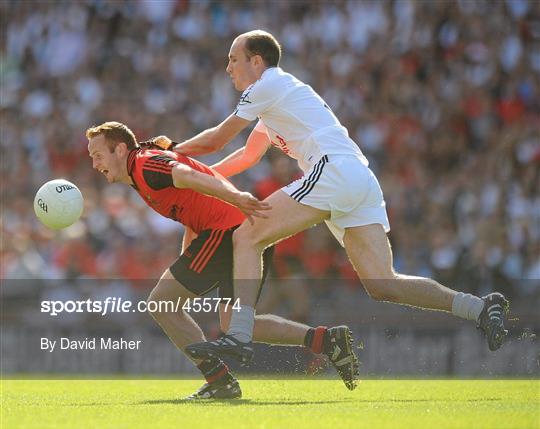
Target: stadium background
point(442, 97)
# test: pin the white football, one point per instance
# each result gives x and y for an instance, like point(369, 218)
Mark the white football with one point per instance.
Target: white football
point(58, 204)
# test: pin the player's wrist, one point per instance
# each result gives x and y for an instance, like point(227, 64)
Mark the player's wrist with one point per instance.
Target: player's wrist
point(238, 198)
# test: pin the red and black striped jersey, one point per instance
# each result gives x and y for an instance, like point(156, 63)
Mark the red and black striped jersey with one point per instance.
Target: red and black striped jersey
point(151, 172)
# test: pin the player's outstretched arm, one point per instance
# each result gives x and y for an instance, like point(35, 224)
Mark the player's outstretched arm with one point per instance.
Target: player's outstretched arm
point(213, 139)
point(246, 157)
point(186, 177)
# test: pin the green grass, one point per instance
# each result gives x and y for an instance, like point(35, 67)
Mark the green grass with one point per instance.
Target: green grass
point(267, 403)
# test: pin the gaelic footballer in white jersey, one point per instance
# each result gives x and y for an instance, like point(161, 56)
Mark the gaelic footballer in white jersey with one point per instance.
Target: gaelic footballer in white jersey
point(338, 187)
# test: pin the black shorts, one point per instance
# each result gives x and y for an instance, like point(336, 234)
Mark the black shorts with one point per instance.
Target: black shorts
point(207, 264)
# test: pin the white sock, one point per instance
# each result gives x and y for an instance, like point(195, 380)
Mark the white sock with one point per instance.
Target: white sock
point(467, 306)
point(242, 323)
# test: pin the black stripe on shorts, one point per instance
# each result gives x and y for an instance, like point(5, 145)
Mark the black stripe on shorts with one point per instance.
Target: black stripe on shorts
point(310, 182)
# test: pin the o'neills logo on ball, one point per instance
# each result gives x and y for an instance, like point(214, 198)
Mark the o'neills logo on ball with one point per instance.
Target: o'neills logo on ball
point(63, 188)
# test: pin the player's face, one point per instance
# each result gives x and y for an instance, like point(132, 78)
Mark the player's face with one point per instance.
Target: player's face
point(111, 164)
point(241, 69)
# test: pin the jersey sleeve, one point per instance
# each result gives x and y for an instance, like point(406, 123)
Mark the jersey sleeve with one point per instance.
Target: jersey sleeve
point(256, 99)
point(157, 171)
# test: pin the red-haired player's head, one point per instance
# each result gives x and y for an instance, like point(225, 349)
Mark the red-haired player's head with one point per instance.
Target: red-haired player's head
point(109, 145)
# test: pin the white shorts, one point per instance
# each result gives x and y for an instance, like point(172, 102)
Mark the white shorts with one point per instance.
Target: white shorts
point(347, 188)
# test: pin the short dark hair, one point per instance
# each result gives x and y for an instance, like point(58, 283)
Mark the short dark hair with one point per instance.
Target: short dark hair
point(259, 42)
point(114, 133)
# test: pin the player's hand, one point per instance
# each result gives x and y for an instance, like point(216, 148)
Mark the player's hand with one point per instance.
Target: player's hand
point(251, 206)
point(159, 142)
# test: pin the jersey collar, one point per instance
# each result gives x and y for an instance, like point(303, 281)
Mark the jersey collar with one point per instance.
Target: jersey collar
point(269, 70)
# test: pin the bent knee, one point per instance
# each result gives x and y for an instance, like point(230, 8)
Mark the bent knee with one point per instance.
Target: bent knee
point(158, 293)
point(263, 317)
point(381, 290)
point(246, 236)
point(382, 296)
point(154, 302)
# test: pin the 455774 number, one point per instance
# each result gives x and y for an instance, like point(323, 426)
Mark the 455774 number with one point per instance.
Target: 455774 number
point(207, 305)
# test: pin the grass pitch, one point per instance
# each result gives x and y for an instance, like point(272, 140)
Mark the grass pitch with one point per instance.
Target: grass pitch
point(272, 404)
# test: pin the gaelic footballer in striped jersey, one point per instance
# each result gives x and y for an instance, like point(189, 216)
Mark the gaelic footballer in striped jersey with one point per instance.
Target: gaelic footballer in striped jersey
point(210, 208)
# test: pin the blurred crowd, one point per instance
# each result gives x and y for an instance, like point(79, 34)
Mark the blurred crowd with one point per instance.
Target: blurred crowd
point(442, 97)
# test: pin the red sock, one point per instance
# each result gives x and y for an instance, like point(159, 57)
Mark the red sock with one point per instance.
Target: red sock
point(213, 369)
point(315, 339)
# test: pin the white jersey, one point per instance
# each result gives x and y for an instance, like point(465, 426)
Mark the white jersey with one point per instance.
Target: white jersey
point(296, 119)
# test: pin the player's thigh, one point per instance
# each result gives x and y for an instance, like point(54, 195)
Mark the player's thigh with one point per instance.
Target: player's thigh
point(169, 293)
point(287, 217)
point(206, 264)
point(169, 289)
point(369, 250)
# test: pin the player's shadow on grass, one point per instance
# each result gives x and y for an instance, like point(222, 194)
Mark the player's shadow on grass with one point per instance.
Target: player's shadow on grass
point(238, 402)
